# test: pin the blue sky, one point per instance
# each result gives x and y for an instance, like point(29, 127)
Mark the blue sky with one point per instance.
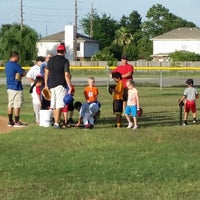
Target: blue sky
point(50, 16)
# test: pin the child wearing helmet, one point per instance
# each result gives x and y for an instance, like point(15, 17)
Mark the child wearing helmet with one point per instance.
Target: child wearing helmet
point(190, 95)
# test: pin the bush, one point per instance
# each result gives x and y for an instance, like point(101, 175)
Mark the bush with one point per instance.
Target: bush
point(184, 56)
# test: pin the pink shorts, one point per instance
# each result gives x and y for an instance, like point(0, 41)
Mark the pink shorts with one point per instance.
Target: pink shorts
point(190, 105)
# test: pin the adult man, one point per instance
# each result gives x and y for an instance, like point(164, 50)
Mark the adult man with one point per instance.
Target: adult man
point(34, 70)
point(57, 75)
point(14, 73)
point(126, 70)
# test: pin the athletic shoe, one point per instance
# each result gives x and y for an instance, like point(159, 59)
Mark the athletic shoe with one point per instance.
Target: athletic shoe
point(195, 121)
point(71, 121)
point(185, 123)
point(56, 126)
point(87, 126)
point(130, 125)
point(135, 127)
point(19, 124)
point(10, 123)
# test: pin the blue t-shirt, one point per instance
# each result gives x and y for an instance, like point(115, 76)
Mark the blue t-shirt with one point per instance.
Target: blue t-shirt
point(42, 67)
point(11, 69)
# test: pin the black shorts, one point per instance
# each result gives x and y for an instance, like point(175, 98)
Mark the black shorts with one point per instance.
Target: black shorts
point(125, 95)
point(117, 106)
point(71, 106)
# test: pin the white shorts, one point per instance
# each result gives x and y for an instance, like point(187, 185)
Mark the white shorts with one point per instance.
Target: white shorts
point(57, 95)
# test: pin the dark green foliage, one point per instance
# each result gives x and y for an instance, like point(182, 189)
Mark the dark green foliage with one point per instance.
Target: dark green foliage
point(184, 56)
point(15, 38)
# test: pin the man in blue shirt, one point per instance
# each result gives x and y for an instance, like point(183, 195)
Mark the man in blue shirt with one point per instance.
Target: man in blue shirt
point(14, 73)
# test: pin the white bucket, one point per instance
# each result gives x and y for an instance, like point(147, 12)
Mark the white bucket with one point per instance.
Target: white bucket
point(46, 118)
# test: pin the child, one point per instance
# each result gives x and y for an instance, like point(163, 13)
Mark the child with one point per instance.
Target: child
point(91, 95)
point(86, 113)
point(132, 104)
point(91, 92)
point(118, 98)
point(190, 94)
point(35, 91)
point(69, 108)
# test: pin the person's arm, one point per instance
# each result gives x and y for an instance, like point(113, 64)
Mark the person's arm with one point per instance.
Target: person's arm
point(79, 121)
point(130, 71)
point(46, 76)
point(138, 102)
point(67, 77)
point(68, 81)
point(128, 74)
point(181, 99)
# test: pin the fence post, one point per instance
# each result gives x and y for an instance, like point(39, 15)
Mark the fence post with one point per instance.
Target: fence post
point(161, 76)
point(107, 74)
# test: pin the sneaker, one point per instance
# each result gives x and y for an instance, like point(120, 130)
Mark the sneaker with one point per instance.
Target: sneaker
point(87, 126)
point(10, 123)
point(19, 124)
point(135, 127)
point(70, 120)
point(194, 121)
point(130, 125)
point(56, 126)
point(185, 123)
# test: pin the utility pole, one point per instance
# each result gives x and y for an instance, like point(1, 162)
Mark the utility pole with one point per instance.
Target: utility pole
point(75, 31)
point(21, 14)
point(91, 21)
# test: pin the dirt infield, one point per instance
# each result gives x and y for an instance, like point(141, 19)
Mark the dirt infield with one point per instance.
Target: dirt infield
point(3, 125)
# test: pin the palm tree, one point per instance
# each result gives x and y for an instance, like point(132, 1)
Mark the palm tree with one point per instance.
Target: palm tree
point(123, 38)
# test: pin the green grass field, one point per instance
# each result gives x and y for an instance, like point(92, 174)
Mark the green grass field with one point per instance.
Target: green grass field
point(158, 161)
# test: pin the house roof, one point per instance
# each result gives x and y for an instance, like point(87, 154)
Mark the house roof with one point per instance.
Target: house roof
point(190, 33)
point(60, 37)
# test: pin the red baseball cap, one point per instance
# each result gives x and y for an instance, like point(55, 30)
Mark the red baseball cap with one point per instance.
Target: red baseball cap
point(61, 47)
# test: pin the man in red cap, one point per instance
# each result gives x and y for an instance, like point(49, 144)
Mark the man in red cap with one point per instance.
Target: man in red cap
point(57, 74)
point(126, 70)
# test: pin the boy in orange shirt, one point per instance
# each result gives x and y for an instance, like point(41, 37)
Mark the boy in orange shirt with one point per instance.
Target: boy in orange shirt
point(91, 92)
point(118, 98)
point(91, 95)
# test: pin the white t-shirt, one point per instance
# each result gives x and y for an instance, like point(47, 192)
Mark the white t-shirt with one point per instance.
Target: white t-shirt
point(35, 94)
point(33, 72)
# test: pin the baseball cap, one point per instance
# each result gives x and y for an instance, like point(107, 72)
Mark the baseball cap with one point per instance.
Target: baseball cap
point(124, 57)
point(61, 47)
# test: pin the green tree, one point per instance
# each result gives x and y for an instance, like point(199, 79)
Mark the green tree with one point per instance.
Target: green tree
point(123, 38)
point(12, 37)
point(103, 28)
point(105, 55)
point(132, 22)
point(160, 20)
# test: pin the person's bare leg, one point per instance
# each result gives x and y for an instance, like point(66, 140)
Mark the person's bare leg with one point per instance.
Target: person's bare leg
point(57, 115)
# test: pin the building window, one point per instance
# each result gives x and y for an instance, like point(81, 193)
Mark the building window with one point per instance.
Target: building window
point(78, 47)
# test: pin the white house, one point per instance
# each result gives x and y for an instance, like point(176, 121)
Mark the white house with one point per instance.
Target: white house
point(86, 46)
point(181, 39)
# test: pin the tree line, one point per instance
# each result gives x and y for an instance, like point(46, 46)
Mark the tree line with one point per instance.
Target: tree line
point(129, 35)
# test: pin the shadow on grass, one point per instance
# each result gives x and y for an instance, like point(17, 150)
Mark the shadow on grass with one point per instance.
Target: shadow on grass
point(147, 120)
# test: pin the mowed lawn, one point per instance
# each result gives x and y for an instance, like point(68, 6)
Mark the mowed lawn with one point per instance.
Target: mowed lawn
point(158, 161)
